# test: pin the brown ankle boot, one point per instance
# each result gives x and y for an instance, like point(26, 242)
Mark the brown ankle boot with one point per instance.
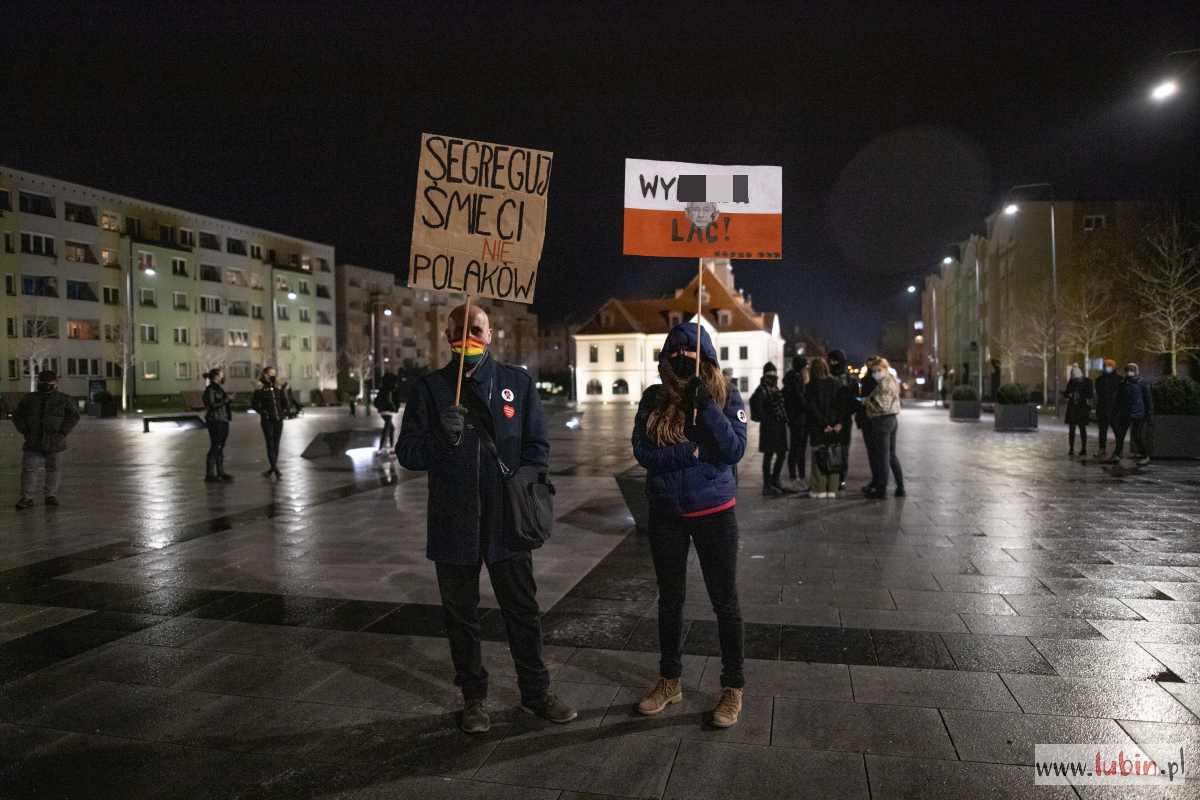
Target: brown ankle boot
point(728, 708)
point(665, 693)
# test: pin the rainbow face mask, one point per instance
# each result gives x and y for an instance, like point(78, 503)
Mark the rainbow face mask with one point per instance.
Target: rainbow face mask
point(475, 351)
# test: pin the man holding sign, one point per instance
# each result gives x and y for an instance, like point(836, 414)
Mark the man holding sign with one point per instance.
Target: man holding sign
point(466, 508)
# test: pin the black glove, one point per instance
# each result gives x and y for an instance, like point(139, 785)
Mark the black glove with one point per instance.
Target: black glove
point(453, 422)
point(698, 394)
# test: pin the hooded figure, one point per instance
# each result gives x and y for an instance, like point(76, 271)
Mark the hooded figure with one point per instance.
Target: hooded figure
point(768, 408)
point(689, 433)
point(847, 405)
point(795, 398)
point(1108, 386)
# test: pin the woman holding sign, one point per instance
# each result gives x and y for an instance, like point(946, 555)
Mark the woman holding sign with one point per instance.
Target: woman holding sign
point(689, 433)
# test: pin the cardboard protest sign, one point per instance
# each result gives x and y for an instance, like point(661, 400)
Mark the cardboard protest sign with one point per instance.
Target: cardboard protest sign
point(703, 210)
point(480, 218)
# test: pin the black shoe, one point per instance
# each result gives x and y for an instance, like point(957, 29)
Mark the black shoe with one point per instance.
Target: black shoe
point(1070, 454)
point(211, 479)
point(52, 501)
point(24, 502)
point(875, 493)
point(278, 474)
point(225, 477)
point(551, 708)
point(269, 472)
point(783, 489)
point(870, 487)
point(900, 492)
point(475, 718)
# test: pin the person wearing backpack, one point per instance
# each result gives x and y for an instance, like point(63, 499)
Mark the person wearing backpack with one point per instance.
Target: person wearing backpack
point(825, 424)
point(768, 408)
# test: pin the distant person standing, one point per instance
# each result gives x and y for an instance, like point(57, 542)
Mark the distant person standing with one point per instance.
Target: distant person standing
point(217, 416)
point(44, 418)
point(1108, 388)
point(882, 407)
point(271, 403)
point(767, 408)
point(387, 403)
point(825, 423)
point(1078, 395)
point(847, 402)
point(1135, 409)
point(794, 382)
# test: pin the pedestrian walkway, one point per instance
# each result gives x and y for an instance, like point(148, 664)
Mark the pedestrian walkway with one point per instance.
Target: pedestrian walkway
point(162, 637)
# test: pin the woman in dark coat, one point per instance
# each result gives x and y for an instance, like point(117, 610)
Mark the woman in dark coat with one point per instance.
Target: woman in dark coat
point(217, 415)
point(768, 407)
point(387, 403)
point(826, 419)
point(1079, 409)
point(271, 403)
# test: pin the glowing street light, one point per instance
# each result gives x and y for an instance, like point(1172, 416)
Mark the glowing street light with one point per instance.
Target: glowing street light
point(291, 295)
point(149, 272)
point(947, 260)
point(1011, 209)
point(1164, 91)
point(912, 289)
point(387, 312)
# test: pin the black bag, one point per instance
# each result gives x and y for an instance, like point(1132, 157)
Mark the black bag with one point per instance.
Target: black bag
point(829, 458)
point(528, 501)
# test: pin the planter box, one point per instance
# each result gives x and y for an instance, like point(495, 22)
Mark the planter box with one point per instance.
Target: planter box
point(1022, 417)
point(1175, 436)
point(965, 409)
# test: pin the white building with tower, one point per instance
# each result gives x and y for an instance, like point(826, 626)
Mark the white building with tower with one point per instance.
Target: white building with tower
point(617, 350)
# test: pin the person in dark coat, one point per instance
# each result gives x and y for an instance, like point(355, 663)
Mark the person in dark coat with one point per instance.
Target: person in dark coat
point(688, 434)
point(467, 526)
point(794, 381)
point(270, 401)
point(217, 416)
point(44, 418)
point(1078, 395)
point(1135, 410)
point(1108, 386)
point(848, 391)
point(387, 403)
point(825, 423)
point(768, 408)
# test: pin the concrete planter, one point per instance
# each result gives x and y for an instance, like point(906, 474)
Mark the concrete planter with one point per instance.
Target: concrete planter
point(965, 409)
point(1022, 417)
point(1175, 436)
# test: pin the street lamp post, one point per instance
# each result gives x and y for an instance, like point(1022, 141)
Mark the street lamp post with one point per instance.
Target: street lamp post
point(127, 346)
point(1169, 87)
point(1011, 209)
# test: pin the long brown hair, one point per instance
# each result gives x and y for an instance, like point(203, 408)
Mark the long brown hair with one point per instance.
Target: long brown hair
point(819, 368)
point(666, 423)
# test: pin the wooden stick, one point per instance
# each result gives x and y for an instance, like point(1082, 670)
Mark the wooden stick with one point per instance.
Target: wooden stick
point(462, 356)
point(699, 312)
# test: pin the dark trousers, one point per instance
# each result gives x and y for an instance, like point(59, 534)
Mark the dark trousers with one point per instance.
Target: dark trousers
point(799, 442)
point(218, 432)
point(844, 440)
point(716, 539)
point(773, 467)
point(512, 580)
point(1082, 428)
point(1103, 423)
point(881, 450)
point(385, 438)
point(272, 432)
point(1135, 426)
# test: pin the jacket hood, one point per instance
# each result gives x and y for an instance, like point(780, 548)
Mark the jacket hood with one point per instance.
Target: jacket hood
point(683, 337)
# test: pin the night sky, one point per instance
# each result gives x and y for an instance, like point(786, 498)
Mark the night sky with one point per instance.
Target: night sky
point(898, 126)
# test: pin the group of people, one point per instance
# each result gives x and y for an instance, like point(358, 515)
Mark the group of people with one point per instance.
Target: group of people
point(270, 401)
point(1122, 403)
point(815, 409)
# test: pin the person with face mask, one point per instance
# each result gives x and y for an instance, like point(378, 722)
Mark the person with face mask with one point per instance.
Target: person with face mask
point(217, 416)
point(1108, 386)
point(1135, 409)
point(847, 404)
point(688, 434)
point(1078, 395)
point(500, 415)
point(795, 380)
point(271, 403)
point(44, 418)
point(768, 408)
point(882, 407)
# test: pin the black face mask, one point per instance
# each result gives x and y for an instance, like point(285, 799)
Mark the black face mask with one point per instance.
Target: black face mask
point(45, 387)
point(683, 366)
point(271, 379)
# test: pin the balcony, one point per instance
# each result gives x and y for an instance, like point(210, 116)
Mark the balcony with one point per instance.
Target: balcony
point(77, 290)
point(323, 292)
point(79, 253)
point(138, 238)
point(210, 273)
point(209, 241)
point(37, 204)
point(323, 318)
point(39, 286)
point(238, 310)
point(235, 246)
point(84, 215)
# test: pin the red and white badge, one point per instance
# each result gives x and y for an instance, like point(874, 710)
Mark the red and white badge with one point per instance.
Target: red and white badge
point(507, 394)
point(509, 411)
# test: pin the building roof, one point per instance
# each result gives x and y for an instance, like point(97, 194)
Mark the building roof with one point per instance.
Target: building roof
point(653, 315)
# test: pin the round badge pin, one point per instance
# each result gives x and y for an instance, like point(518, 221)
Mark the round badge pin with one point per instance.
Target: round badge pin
point(507, 394)
point(741, 415)
point(509, 412)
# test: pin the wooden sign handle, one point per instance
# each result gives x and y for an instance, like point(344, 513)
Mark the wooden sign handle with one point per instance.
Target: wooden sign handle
point(699, 312)
point(462, 356)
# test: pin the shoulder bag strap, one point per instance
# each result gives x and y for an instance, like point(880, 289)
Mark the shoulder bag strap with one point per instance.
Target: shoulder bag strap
point(486, 438)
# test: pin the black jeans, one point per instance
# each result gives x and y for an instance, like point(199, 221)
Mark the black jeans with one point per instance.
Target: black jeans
point(773, 467)
point(1102, 426)
point(385, 438)
point(218, 432)
point(716, 539)
point(799, 442)
point(1082, 428)
point(512, 580)
point(1135, 426)
point(272, 432)
point(881, 450)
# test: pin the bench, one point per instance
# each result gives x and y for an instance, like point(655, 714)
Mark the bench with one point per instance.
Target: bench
point(180, 420)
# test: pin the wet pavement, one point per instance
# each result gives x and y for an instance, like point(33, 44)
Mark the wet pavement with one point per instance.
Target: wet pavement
point(160, 636)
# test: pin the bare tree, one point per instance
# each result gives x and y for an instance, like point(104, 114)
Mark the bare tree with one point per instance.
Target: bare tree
point(356, 358)
point(1089, 319)
point(1041, 339)
point(1005, 346)
point(1165, 278)
point(39, 342)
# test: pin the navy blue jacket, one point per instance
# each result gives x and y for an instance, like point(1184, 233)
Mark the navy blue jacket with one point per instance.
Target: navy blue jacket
point(677, 481)
point(464, 478)
point(1133, 400)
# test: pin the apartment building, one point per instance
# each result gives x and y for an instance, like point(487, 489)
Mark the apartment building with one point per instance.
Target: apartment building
point(383, 326)
point(97, 283)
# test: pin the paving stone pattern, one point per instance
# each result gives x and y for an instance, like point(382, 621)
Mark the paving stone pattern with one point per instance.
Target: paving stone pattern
point(160, 636)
